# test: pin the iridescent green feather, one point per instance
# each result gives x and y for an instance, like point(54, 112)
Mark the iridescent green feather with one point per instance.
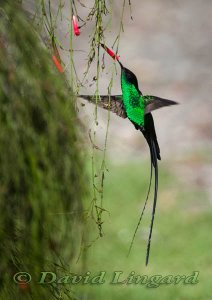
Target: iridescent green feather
point(133, 101)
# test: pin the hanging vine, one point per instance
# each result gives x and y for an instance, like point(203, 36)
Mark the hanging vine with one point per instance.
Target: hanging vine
point(99, 18)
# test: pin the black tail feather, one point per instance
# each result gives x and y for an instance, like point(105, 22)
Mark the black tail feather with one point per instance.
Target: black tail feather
point(150, 135)
point(154, 155)
point(141, 215)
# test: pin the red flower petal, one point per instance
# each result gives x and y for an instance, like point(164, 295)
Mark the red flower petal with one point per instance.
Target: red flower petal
point(110, 52)
point(75, 26)
point(56, 52)
point(57, 64)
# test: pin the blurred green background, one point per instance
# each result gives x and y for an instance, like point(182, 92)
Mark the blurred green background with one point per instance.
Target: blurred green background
point(181, 240)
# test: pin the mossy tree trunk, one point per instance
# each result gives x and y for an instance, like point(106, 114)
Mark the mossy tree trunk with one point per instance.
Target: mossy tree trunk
point(41, 165)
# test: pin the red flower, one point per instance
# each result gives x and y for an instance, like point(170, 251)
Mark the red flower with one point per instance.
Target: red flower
point(75, 26)
point(110, 52)
point(57, 64)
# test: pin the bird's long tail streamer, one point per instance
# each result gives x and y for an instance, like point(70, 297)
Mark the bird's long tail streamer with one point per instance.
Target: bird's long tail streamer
point(155, 164)
point(151, 138)
point(141, 215)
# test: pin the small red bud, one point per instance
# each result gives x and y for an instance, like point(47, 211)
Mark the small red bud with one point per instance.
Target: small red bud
point(110, 52)
point(57, 64)
point(75, 26)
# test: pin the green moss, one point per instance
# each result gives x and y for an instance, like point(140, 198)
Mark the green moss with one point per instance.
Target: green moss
point(41, 166)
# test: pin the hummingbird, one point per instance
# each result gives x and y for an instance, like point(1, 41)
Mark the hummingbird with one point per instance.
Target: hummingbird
point(135, 106)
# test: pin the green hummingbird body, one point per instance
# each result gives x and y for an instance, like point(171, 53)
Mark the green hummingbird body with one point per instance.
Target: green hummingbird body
point(134, 103)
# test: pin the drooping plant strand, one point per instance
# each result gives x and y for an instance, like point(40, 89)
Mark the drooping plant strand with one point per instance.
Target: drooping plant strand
point(97, 15)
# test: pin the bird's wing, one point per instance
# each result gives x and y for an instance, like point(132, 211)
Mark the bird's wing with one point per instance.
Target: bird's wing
point(154, 102)
point(113, 103)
